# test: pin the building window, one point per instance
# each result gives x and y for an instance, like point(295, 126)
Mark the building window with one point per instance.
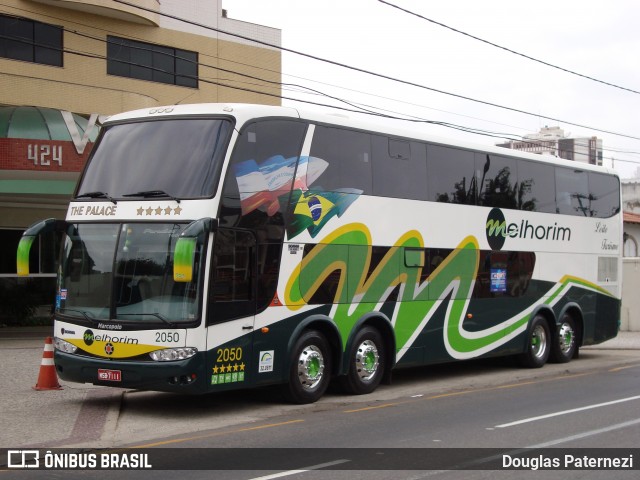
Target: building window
point(30, 41)
point(630, 246)
point(146, 61)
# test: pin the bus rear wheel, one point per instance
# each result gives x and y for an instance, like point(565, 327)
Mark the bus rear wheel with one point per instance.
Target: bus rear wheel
point(309, 370)
point(366, 363)
point(565, 342)
point(538, 344)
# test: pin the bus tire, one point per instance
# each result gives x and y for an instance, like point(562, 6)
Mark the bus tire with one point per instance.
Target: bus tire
point(538, 346)
point(366, 363)
point(310, 368)
point(565, 345)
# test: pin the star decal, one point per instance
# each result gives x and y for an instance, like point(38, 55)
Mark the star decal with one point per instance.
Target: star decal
point(140, 211)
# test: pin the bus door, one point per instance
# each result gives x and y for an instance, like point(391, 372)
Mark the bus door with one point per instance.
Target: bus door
point(231, 308)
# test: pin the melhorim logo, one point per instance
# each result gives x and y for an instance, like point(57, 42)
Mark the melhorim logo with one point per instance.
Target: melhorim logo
point(498, 230)
point(89, 337)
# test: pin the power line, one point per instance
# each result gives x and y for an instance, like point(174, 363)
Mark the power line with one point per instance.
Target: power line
point(473, 130)
point(368, 109)
point(355, 107)
point(375, 74)
point(273, 46)
point(528, 57)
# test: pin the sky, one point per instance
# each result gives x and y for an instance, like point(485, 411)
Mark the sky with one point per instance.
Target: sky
point(596, 39)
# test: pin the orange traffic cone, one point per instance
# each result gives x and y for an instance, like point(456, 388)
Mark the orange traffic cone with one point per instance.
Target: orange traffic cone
point(47, 379)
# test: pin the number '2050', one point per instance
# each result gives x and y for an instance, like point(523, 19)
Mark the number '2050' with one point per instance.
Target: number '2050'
point(167, 337)
point(229, 354)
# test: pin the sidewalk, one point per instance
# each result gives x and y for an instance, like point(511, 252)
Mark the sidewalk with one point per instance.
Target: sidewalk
point(8, 333)
point(624, 341)
point(49, 417)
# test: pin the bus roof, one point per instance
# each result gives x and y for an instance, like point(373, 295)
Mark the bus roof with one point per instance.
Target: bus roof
point(244, 112)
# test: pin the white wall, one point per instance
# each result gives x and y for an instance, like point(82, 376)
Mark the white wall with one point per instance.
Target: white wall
point(209, 14)
point(631, 196)
point(203, 12)
point(630, 297)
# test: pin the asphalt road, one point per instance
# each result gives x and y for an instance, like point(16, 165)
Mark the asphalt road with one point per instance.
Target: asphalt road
point(589, 403)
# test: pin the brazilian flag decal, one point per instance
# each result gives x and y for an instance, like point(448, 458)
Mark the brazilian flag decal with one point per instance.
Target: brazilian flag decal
point(314, 208)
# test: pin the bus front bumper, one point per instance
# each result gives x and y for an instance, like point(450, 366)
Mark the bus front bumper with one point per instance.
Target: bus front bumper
point(184, 376)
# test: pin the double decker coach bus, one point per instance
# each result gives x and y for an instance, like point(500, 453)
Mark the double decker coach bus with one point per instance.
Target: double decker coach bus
point(214, 247)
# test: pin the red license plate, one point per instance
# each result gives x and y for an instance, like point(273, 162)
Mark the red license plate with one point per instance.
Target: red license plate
point(109, 375)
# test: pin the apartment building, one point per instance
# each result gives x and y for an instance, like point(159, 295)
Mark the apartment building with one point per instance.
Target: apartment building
point(553, 141)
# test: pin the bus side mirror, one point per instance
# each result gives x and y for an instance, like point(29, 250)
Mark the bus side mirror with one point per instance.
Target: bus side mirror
point(184, 252)
point(29, 235)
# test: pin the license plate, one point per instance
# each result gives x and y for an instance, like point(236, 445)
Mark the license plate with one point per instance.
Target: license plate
point(109, 375)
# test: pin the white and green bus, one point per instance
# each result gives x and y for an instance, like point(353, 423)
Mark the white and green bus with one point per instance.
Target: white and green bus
point(215, 247)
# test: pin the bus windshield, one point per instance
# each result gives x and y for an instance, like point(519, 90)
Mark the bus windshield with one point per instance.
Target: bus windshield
point(181, 158)
point(124, 272)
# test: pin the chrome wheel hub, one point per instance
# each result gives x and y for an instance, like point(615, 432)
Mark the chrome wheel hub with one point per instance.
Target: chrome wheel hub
point(367, 360)
point(310, 367)
point(566, 337)
point(538, 341)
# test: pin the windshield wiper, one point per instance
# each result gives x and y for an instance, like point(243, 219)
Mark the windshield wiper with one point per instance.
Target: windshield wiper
point(97, 195)
point(157, 315)
point(82, 312)
point(151, 194)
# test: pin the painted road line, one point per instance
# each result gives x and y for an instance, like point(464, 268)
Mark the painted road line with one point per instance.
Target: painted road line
point(525, 450)
point(566, 412)
point(418, 397)
point(374, 407)
point(617, 369)
point(590, 433)
point(302, 470)
point(217, 434)
point(502, 387)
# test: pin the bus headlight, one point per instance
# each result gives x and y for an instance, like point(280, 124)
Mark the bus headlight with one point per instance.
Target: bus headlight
point(64, 346)
point(172, 354)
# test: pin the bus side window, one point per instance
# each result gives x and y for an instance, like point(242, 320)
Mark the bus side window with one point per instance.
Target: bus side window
point(348, 154)
point(497, 177)
point(399, 168)
point(261, 175)
point(572, 192)
point(605, 198)
point(451, 176)
point(535, 189)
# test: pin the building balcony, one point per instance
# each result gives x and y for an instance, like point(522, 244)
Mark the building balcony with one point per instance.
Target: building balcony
point(109, 8)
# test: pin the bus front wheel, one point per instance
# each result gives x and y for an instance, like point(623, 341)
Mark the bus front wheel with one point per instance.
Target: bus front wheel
point(366, 363)
point(538, 346)
point(309, 370)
